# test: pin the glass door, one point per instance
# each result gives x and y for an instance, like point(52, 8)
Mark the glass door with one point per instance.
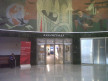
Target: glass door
point(54, 50)
point(67, 50)
point(67, 53)
point(41, 57)
point(59, 54)
point(50, 54)
point(41, 54)
point(59, 51)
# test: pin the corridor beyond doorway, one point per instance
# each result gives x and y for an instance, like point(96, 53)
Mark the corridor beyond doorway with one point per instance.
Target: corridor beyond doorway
point(54, 54)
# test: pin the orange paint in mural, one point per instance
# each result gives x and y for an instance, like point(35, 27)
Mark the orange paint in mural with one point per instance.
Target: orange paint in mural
point(14, 10)
point(30, 9)
point(15, 22)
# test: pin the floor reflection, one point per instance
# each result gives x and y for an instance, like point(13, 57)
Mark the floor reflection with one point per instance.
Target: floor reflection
point(94, 72)
point(56, 72)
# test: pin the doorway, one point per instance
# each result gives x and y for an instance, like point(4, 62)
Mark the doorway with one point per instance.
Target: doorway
point(50, 54)
point(54, 54)
point(54, 50)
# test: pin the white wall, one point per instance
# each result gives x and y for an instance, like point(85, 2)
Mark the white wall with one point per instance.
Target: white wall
point(9, 45)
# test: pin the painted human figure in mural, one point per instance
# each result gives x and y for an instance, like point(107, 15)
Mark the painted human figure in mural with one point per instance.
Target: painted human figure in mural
point(91, 18)
point(82, 19)
point(19, 15)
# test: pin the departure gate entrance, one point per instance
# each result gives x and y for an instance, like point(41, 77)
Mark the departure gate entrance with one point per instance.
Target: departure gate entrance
point(54, 50)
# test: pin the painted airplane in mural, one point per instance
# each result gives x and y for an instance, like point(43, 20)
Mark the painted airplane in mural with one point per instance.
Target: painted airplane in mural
point(103, 4)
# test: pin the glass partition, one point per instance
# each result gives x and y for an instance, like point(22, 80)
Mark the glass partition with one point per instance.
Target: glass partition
point(94, 50)
point(106, 50)
point(67, 40)
point(58, 41)
point(41, 40)
point(99, 51)
point(87, 51)
point(49, 41)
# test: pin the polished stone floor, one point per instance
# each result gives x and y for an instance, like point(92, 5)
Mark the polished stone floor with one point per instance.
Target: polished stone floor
point(57, 72)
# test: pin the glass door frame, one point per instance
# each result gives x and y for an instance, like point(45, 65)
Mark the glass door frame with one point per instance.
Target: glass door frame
point(46, 53)
point(44, 62)
point(63, 52)
point(47, 43)
point(64, 61)
point(59, 43)
point(63, 44)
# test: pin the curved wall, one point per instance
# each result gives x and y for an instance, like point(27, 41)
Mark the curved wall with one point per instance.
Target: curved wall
point(54, 15)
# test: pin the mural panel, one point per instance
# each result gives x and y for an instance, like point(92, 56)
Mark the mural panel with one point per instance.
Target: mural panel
point(90, 15)
point(54, 15)
point(18, 15)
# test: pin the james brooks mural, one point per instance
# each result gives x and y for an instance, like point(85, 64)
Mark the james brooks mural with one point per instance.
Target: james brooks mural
point(18, 14)
point(90, 15)
point(54, 15)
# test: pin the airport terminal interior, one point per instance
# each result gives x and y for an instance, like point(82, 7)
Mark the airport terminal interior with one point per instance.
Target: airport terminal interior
point(67, 58)
point(53, 40)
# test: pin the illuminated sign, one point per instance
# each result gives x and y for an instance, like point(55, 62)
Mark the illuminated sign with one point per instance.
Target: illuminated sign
point(53, 35)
